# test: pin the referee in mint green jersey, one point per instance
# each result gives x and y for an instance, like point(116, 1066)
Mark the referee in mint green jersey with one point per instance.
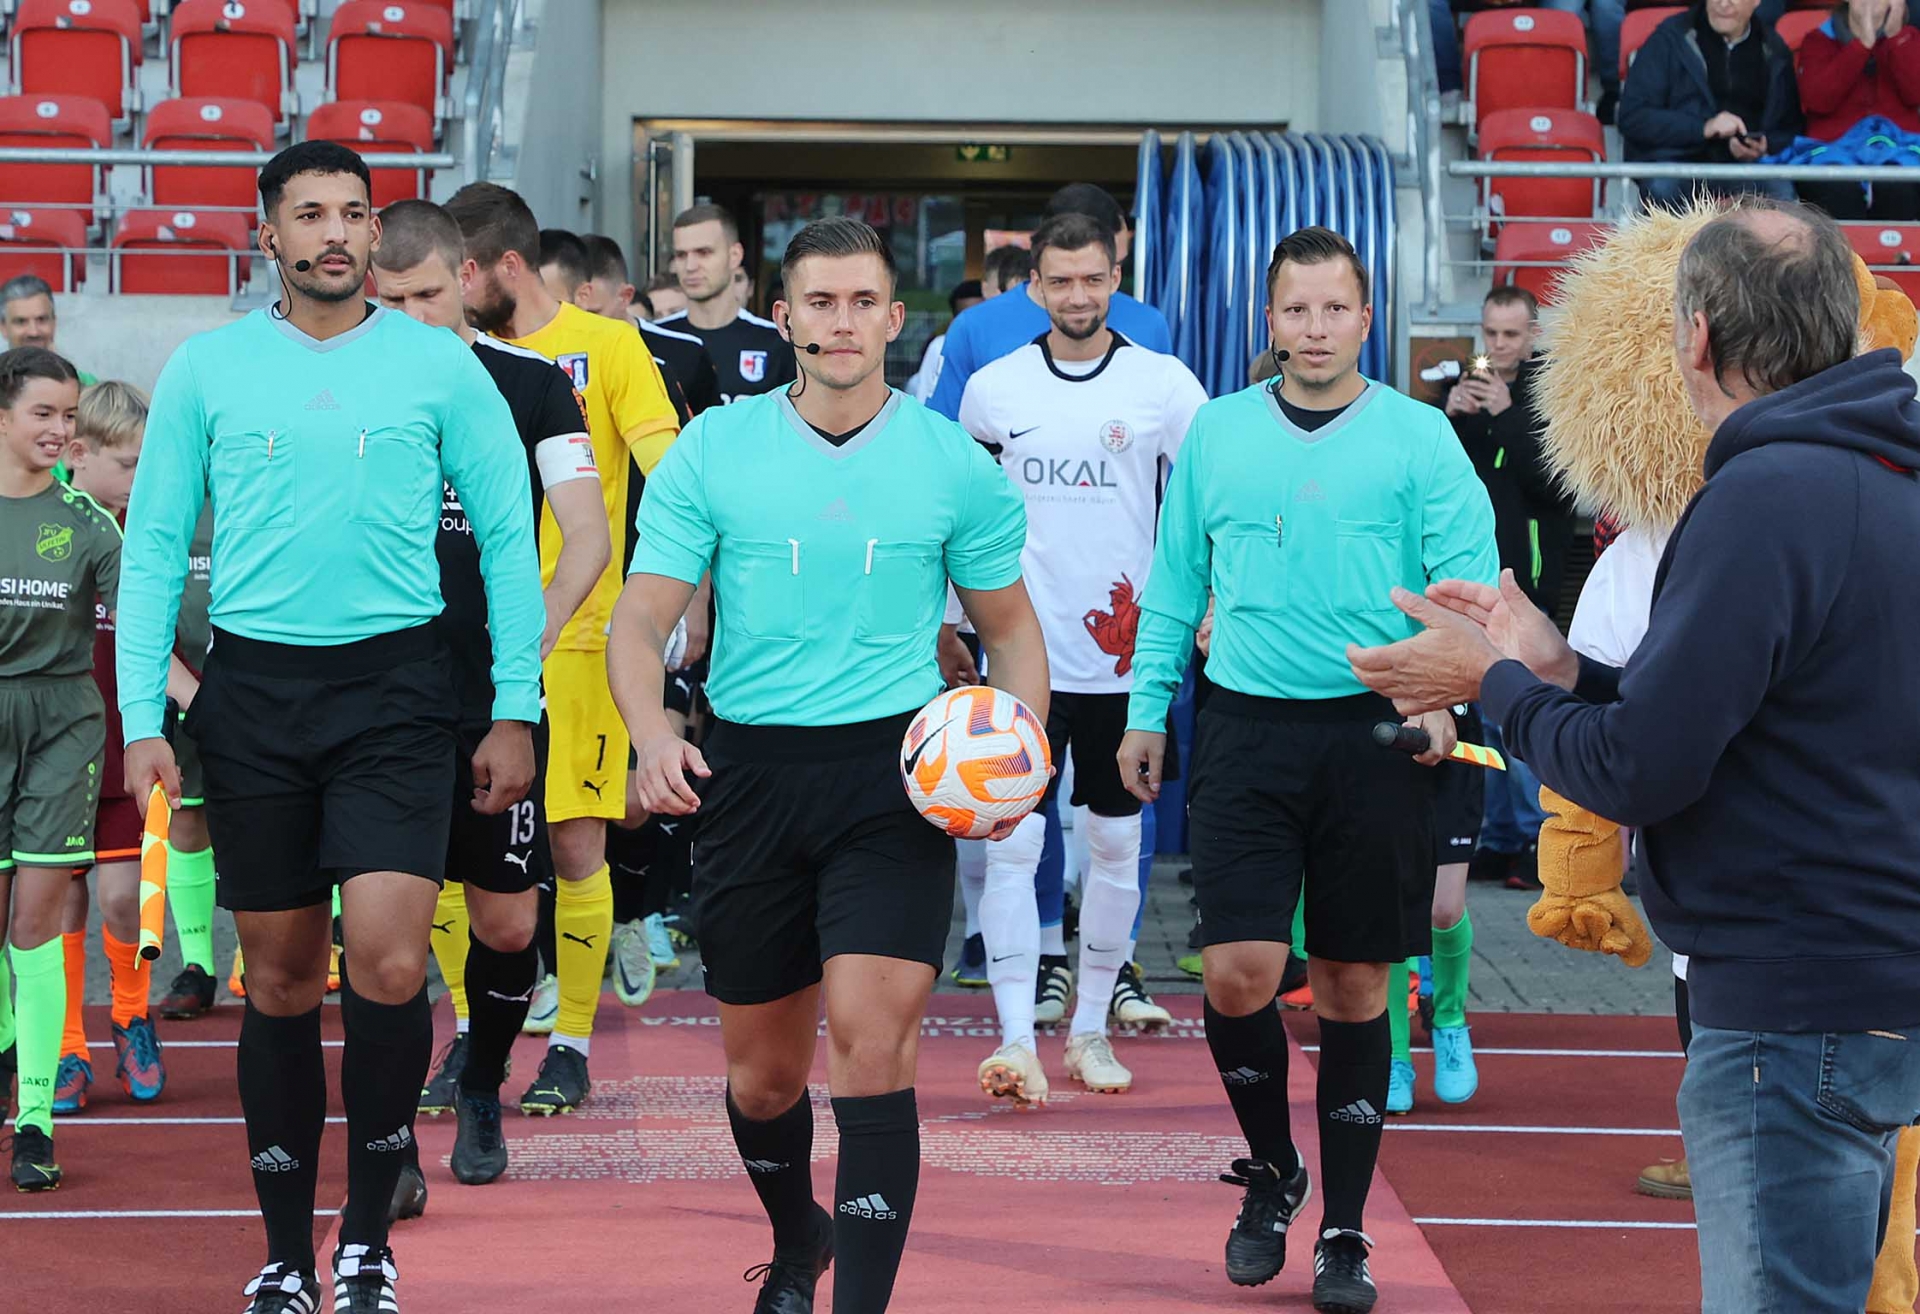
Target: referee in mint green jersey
point(832, 515)
point(1298, 506)
point(321, 430)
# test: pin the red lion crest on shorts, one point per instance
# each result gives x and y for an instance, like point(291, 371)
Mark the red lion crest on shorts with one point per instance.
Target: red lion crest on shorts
point(1114, 631)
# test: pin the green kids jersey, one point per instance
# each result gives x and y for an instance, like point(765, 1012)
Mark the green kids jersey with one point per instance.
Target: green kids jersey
point(830, 560)
point(1300, 538)
point(59, 552)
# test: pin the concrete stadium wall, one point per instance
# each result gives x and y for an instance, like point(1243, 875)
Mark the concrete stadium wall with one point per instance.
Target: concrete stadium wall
point(558, 132)
point(130, 337)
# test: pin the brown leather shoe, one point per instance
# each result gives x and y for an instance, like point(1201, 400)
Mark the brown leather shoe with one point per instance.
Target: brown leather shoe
point(1666, 1180)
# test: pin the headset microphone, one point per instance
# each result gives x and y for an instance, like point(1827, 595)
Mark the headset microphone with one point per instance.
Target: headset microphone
point(1281, 356)
point(811, 348)
point(302, 266)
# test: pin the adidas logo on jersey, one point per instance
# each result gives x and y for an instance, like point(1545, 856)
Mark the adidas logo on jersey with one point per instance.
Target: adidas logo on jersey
point(324, 402)
point(1244, 1077)
point(1310, 492)
point(837, 510)
point(399, 1140)
point(763, 1166)
point(870, 1206)
point(275, 1160)
point(1359, 1111)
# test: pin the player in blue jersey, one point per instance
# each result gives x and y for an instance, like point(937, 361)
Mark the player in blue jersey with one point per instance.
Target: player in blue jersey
point(831, 515)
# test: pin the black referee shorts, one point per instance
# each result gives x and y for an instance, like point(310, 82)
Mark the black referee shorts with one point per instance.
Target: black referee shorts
point(1459, 797)
point(805, 847)
point(324, 762)
point(1284, 792)
point(507, 852)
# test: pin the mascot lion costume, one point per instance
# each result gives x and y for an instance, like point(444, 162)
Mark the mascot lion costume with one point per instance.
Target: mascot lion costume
point(1626, 443)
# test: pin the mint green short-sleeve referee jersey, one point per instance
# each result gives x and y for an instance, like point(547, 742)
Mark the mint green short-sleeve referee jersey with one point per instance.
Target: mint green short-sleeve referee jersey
point(830, 563)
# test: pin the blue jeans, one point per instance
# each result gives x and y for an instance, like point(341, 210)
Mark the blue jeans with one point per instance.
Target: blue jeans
point(1511, 815)
point(1790, 1143)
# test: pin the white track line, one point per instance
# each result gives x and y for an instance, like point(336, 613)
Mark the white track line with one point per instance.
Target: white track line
point(49, 1215)
point(217, 1044)
point(1593, 1223)
point(78, 1122)
point(1551, 1053)
point(1499, 1129)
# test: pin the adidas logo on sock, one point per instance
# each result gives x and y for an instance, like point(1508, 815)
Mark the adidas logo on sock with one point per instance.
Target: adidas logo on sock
point(1359, 1111)
point(324, 402)
point(1244, 1077)
point(763, 1166)
point(400, 1140)
point(275, 1160)
point(870, 1206)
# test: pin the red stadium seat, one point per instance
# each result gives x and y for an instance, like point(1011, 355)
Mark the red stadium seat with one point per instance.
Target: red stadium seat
point(238, 49)
point(1638, 27)
point(391, 52)
point(1521, 255)
point(1524, 57)
point(79, 48)
point(1795, 24)
point(75, 121)
point(1547, 135)
point(206, 124)
point(1890, 249)
point(375, 127)
point(48, 243)
point(180, 252)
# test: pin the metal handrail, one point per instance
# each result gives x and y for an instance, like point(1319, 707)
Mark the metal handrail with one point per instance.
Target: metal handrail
point(1414, 21)
point(228, 159)
point(1704, 172)
point(486, 82)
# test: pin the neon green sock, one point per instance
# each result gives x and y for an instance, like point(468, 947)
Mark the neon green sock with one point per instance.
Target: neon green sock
point(42, 977)
point(336, 901)
point(1399, 1027)
point(6, 1006)
point(190, 896)
point(1300, 927)
point(1452, 957)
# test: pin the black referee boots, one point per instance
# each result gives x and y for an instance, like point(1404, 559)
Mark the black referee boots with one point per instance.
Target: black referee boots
point(1257, 1246)
point(787, 1282)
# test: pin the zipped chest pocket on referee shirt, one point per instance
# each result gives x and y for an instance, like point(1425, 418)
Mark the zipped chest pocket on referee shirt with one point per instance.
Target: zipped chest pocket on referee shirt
point(396, 477)
point(254, 477)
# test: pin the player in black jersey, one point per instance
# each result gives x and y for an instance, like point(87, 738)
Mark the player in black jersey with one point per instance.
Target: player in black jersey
point(614, 297)
point(748, 352)
point(484, 924)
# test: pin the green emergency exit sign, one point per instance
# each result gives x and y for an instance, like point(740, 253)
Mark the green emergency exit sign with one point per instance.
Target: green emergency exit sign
point(976, 153)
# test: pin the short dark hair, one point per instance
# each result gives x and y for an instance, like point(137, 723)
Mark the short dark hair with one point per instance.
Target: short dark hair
point(839, 236)
point(23, 286)
point(1512, 294)
point(1316, 246)
point(707, 212)
point(1074, 232)
point(1780, 308)
point(1006, 265)
point(1090, 199)
point(495, 220)
point(22, 365)
point(605, 259)
point(411, 231)
point(309, 157)
point(965, 290)
point(565, 250)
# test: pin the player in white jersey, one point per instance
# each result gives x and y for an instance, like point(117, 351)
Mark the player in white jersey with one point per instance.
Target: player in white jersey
point(1084, 423)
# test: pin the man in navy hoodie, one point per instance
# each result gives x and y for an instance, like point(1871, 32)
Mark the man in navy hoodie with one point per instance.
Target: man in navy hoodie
point(1766, 738)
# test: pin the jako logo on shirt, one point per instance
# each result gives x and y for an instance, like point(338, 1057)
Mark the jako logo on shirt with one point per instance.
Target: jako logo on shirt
point(575, 364)
point(55, 542)
point(753, 366)
point(1043, 473)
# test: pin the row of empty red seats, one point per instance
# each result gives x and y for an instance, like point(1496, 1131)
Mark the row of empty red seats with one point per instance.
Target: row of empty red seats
point(235, 49)
point(170, 251)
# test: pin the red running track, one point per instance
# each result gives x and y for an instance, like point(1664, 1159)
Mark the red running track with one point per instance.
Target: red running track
point(1098, 1203)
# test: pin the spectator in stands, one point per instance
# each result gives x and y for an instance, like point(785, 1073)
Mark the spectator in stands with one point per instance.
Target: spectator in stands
point(1714, 85)
point(28, 319)
point(1491, 410)
point(964, 296)
point(661, 297)
point(1863, 61)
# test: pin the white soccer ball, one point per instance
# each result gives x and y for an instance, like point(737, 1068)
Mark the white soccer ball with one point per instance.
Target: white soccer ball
point(973, 759)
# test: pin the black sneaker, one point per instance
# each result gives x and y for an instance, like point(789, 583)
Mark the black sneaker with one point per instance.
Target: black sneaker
point(787, 1282)
point(363, 1280)
point(283, 1290)
point(1257, 1246)
point(409, 1193)
point(443, 1087)
point(479, 1146)
point(33, 1165)
point(1341, 1282)
point(560, 1087)
point(190, 995)
point(1490, 865)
